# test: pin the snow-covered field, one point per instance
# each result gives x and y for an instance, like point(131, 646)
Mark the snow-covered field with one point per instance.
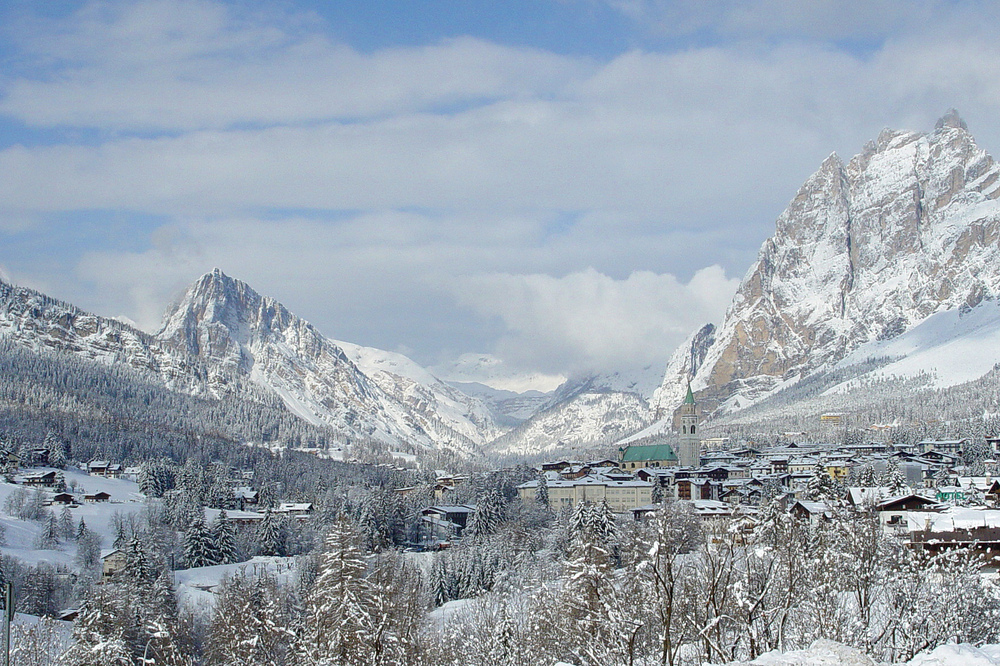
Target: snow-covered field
point(196, 587)
point(21, 534)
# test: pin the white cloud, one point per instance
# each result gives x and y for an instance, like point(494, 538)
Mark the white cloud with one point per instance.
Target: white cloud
point(589, 321)
point(167, 65)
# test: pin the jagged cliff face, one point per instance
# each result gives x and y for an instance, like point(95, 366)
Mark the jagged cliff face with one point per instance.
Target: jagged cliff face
point(235, 330)
point(864, 251)
point(36, 321)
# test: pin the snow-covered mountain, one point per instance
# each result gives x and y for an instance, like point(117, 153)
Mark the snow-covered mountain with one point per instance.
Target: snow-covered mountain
point(355, 390)
point(865, 251)
point(36, 321)
point(585, 412)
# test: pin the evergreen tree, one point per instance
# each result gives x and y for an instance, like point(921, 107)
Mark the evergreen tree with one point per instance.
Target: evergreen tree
point(867, 478)
point(893, 478)
point(488, 516)
point(271, 536)
point(88, 550)
point(139, 568)
point(199, 551)
point(48, 538)
point(99, 633)
point(224, 537)
point(66, 528)
point(821, 485)
point(248, 628)
point(656, 493)
point(338, 621)
point(542, 491)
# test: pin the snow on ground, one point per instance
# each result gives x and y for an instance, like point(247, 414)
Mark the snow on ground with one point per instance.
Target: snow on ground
point(21, 534)
point(443, 614)
point(196, 587)
point(954, 347)
point(831, 653)
point(958, 655)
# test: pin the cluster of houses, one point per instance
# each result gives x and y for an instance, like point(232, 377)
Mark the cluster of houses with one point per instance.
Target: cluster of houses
point(935, 501)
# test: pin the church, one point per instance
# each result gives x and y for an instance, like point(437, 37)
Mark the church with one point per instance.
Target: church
point(687, 453)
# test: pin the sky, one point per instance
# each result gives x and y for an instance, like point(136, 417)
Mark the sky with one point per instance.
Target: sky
point(566, 186)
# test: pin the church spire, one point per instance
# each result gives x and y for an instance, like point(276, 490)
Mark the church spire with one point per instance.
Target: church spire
point(689, 398)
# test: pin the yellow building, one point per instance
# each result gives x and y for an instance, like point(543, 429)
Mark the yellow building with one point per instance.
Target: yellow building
point(621, 496)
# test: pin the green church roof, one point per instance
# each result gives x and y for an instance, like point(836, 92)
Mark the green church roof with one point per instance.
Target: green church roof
point(649, 452)
point(689, 398)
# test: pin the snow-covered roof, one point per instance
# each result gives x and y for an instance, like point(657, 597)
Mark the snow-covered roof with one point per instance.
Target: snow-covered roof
point(956, 518)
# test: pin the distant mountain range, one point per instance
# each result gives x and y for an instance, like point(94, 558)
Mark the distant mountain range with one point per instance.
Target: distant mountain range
point(893, 256)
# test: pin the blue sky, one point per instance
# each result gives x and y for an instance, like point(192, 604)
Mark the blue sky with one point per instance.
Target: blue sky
point(569, 185)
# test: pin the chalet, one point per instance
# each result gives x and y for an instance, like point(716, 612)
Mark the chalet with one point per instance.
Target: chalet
point(241, 519)
point(63, 498)
point(98, 467)
point(978, 529)
point(556, 466)
point(643, 512)
point(894, 510)
point(710, 509)
point(652, 455)
point(698, 488)
point(113, 562)
point(68, 614)
point(295, 509)
point(866, 497)
point(38, 457)
point(812, 512)
point(43, 479)
point(779, 465)
point(97, 497)
point(952, 446)
point(245, 496)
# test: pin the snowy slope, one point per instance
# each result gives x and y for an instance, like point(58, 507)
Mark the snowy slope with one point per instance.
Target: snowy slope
point(439, 406)
point(21, 534)
point(586, 420)
point(951, 347)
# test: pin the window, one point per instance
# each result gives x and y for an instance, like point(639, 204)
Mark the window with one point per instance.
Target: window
point(692, 430)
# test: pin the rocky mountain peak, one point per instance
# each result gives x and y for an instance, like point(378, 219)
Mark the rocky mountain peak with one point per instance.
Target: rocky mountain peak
point(951, 120)
point(909, 227)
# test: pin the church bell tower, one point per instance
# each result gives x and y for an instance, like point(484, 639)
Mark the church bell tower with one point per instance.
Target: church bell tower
point(689, 447)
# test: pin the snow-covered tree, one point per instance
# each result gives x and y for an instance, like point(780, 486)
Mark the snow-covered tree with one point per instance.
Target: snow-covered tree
point(488, 516)
point(249, 627)
point(542, 490)
point(199, 549)
point(224, 538)
point(271, 535)
point(48, 538)
point(893, 478)
point(100, 634)
point(821, 485)
point(338, 620)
